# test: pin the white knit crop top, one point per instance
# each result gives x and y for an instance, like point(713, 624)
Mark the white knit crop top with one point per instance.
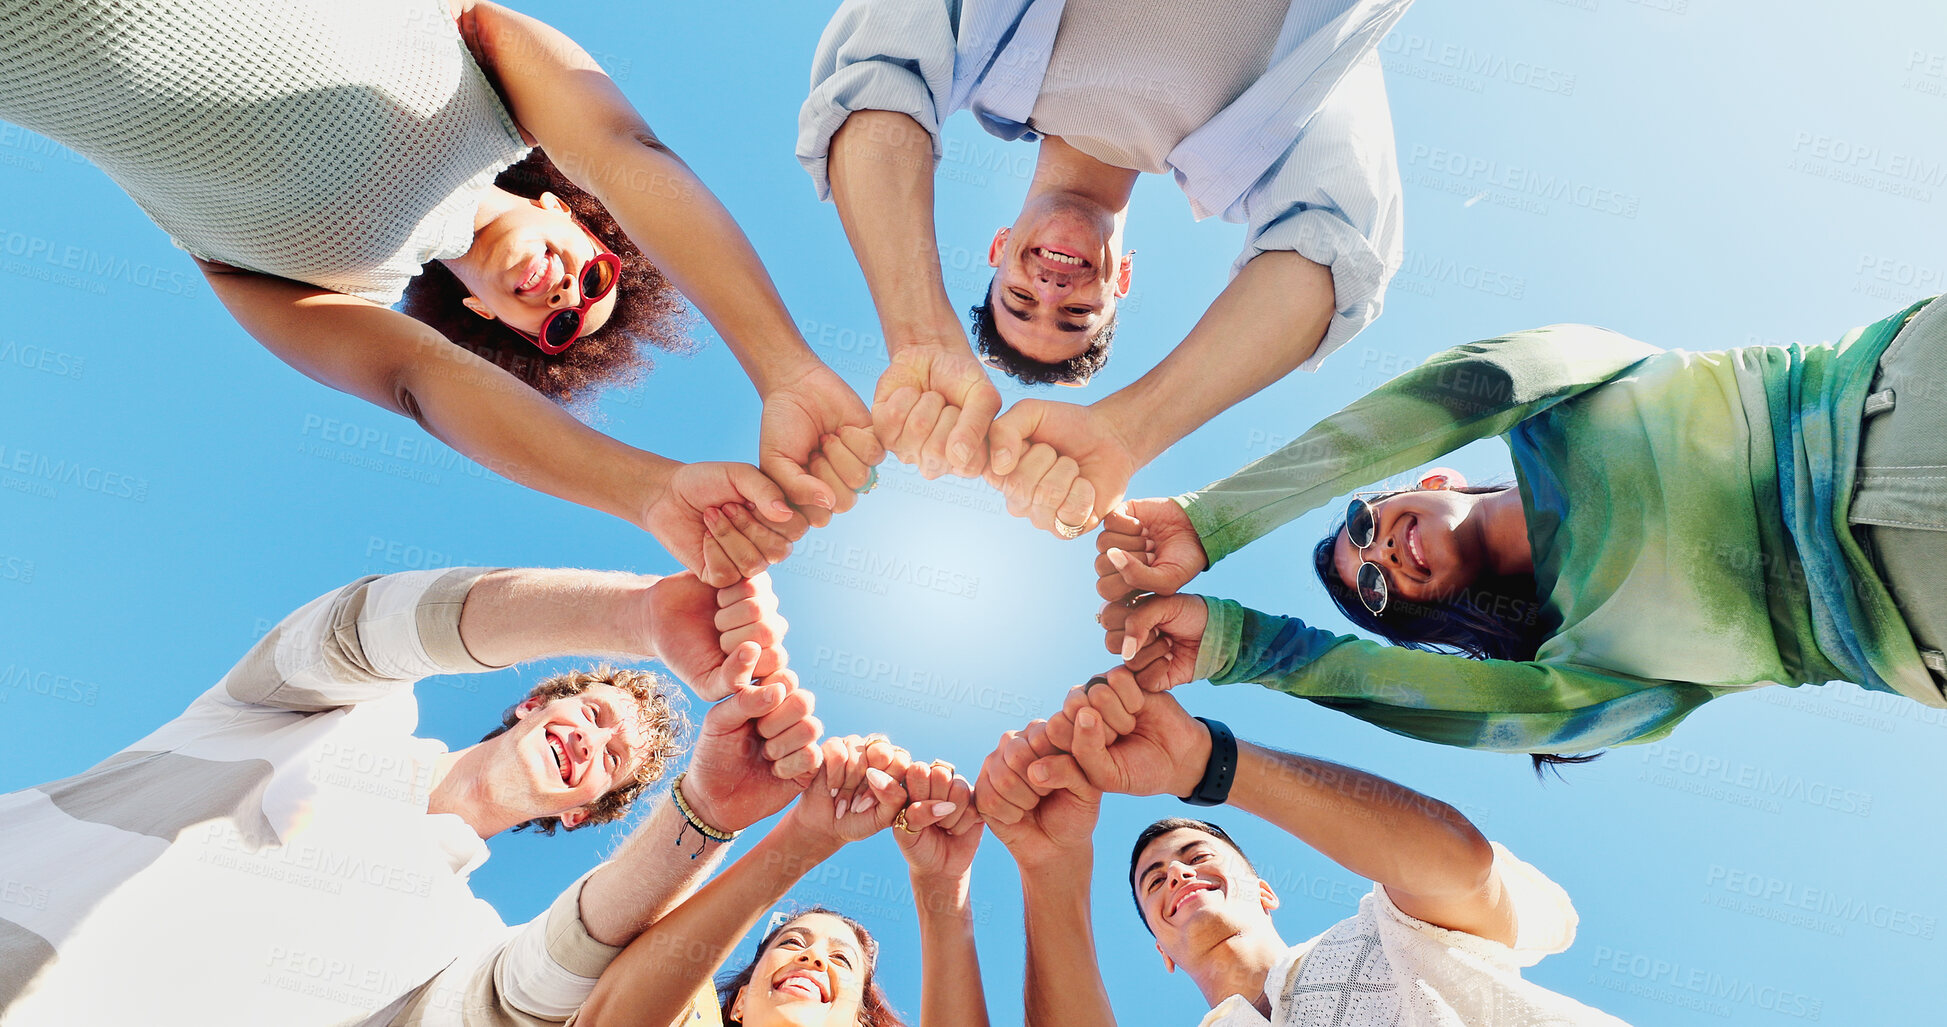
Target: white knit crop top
point(342, 143)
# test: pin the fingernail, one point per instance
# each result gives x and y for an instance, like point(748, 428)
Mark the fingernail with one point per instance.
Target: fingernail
point(863, 802)
point(710, 515)
point(961, 453)
point(1118, 557)
point(781, 507)
point(1129, 646)
point(1003, 457)
point(1039, 773)
point(838, 807)
point(1086, 718)
point(945, 809)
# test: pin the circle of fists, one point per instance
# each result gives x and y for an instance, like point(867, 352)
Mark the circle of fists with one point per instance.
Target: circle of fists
point(1041, 788)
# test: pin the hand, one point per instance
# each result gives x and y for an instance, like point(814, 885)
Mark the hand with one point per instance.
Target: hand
point(756, 751)
point(942, 830)
point(1045, 825)
point(1147, 545)
point(857, 795)
point(696, 631)
point(1158, 638)
point(934, 403)
point(1059, 461)
point(723, 521)
point(1125, 740)
point(816, 442)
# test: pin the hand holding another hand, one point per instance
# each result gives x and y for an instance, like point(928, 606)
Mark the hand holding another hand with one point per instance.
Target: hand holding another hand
point(1159, 638)
point(1059, 464)
point(857, 795)
point(757, 749)
point(1147, 545)
point(934, 403)
point(816, 442)
point(1122, 739)
point(724, 521)
point(941, 830)
point(1045, 824)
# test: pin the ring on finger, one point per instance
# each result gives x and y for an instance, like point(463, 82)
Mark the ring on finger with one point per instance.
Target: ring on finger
point(1067, 530)
point(871, 481)
point(1092, 682)
point(899, 821)
point(942, 763)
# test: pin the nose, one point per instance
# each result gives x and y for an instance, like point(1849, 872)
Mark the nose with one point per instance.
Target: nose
point(811, 959)
point(566, 292)
point(1182, 872)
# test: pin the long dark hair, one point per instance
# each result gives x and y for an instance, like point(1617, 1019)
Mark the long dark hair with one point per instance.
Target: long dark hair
point(648, 310)
point(874, 1010)
point(1496, 617)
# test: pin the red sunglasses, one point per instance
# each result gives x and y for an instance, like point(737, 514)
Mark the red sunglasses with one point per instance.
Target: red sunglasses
point(598, 277)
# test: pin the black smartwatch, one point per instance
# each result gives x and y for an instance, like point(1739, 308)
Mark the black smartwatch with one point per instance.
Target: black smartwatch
point(1214, 789)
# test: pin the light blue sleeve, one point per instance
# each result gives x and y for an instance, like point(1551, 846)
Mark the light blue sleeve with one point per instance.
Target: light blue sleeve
point(1335, 200)
point(877, 55)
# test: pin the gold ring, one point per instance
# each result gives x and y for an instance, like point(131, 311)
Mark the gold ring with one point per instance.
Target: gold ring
point(1067, 530)
point(942, 763)
point(899, 821)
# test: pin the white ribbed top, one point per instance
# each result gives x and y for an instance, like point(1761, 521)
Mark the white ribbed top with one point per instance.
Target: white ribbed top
point(343, 143)
point(1128, 79)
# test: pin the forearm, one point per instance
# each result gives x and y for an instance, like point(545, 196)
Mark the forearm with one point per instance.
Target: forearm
point(951, 994)
point(882, 184)
point(1063, 980)
point(677, 949)
point(500, 423)
point(512, 616)
point(1264, 324)
point(693, 240)
point(1375, 828)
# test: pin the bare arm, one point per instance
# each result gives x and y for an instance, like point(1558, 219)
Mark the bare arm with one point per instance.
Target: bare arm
point(882, 184)
point(401, 365)
point(1269, 320)
point(815, 440)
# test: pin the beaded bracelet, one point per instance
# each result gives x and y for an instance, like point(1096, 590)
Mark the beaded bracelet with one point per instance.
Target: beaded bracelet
point(695, 822)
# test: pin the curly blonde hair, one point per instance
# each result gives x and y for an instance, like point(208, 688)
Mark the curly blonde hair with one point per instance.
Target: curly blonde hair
point(663, 729)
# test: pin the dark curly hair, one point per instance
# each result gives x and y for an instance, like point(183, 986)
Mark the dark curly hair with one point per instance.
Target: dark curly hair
point(648, 310)
point(874, 1009)
point(1497, 617)
point(997, 353)
point(662, 742)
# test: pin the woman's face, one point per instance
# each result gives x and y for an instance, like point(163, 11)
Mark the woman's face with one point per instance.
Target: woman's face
point(527, 262)
point(1425, 545)
point(813, 975)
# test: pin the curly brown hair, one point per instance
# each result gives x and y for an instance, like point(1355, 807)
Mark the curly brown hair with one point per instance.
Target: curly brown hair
point(663, 722)
point(874, 1009)
point(648, 310)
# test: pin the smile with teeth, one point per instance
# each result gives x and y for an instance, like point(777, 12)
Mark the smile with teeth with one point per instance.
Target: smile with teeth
point(1189, 890)
point(1054, 257)
point(804, 982)
point(539, 269)
point(1413, 547)
point(560, 757)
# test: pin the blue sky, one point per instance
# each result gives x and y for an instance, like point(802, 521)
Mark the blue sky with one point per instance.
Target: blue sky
point(1694, 173)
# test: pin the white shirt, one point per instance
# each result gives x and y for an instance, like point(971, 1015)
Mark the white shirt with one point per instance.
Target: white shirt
point(1383, 968)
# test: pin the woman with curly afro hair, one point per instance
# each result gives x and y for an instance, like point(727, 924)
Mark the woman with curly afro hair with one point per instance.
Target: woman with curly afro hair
point(316, 156)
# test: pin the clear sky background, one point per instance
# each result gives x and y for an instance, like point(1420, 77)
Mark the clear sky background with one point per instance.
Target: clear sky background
point(1694, 173)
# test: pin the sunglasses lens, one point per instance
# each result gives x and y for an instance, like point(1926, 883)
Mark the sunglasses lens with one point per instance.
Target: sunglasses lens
point(1372, 587)
point(562, 327)
point(597, 279)
point(1360, 523)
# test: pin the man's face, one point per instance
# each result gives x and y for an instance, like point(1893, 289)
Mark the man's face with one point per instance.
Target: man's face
point(1057, 276)
point(1196, 892)
point(567, 753)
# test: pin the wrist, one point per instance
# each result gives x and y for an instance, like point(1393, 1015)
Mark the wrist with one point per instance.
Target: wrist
point(1056, 865)
point(1196, 759)
point(1142, 427)
point(785, 364)
point(648, 484)
point(1220, 769)
point(701, 810)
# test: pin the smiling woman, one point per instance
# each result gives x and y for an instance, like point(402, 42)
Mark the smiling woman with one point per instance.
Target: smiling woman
point(314, 156)
point(819, 958)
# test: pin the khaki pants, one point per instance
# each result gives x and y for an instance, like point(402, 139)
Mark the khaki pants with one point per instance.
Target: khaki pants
point(1899, 506)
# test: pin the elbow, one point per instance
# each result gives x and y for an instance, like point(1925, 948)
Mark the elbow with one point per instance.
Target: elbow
point(1470, 862)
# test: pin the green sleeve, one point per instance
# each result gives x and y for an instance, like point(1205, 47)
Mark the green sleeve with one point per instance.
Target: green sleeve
point(1458, 396)
point(1496, 705)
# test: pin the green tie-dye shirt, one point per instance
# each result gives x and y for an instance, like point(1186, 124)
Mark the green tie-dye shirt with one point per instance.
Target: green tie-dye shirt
point(1687, 517)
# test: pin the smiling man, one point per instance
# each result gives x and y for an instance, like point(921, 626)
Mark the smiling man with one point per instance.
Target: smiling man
point(1441, 939)
point(1271, 113)
point(287, 851)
